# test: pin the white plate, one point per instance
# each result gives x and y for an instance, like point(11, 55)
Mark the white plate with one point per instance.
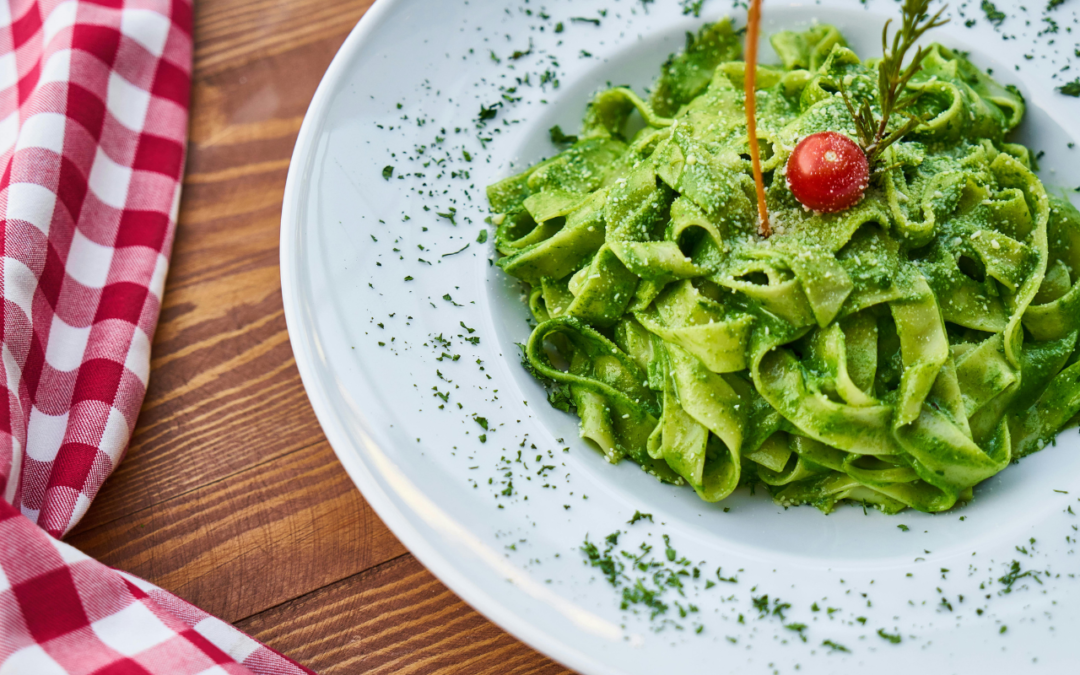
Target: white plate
point(364, 341)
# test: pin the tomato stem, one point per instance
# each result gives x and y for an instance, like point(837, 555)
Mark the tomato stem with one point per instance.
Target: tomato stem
point(753, 27)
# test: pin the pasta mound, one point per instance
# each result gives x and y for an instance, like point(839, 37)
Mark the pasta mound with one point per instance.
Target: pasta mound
point(895, 354)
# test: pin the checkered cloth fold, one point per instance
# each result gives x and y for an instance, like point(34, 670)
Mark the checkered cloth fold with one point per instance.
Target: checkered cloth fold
point(93, 122)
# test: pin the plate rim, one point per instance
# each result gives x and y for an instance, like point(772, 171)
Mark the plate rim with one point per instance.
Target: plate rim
point(363, 478)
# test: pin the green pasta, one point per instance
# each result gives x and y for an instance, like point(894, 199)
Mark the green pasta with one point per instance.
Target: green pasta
point(895, 354)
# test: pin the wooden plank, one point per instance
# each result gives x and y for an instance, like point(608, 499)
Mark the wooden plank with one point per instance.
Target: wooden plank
point(398, 619)
point(253, 540)
point(235, 32)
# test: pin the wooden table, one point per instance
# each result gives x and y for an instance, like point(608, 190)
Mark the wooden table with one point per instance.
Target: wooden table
point(230, 496)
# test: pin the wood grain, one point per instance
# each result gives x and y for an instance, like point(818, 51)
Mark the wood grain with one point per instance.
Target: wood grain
point(396, 618)
point(254, 540)
point(229, 495)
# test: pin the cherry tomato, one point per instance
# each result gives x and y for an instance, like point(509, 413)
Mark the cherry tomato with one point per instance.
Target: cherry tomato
point(828, 172)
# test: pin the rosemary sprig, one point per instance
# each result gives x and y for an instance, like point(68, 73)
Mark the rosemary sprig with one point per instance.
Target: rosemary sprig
point(893, 77)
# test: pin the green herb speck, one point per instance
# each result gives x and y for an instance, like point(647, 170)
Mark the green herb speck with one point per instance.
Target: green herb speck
point(835, 646)
point(638, 515)
point(895, 639)
point(1071, 88)
point(559, 138)
point(993, 14)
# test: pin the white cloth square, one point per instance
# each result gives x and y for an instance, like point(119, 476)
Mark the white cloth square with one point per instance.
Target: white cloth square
point(31, 660)
point(45, 435)
point(9, 131)
point(57, 68)
point(132, 630)
point(88, 262)
point(12, 370)
point(43, 130)
point(82, 505)
point(157, 280)
point(33, 203)
point(62, 16)
point(19, 286)
point(66, 345)
point(69, 554)
point(109, 181)
point(226, 638)
point(115, 437)
point(138, 356)
point(127, 103)
point(148, 28)
point(9, 71)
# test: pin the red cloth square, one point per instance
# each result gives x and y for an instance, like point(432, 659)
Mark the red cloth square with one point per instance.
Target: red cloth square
point(123, 667)
point(172, 83)
point(142, 228)
point(101, 41)
point(159, 154)
point(56, 591)
point(122, 301)
point(98, 380)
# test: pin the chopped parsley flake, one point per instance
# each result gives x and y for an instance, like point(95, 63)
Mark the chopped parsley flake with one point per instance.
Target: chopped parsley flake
point(993, 14)
point(799, 628)
point(522, 54)
point(446, 255)
point(692, 7)
point(558, 137)
point(1071, 88)
point(449, 215)
point(638, 515)
point(895, 639)
point(835, 646)
point(1014, 574)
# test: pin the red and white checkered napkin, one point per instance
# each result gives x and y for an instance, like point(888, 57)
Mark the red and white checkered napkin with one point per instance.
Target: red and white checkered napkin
point(62, 613)
point(93, 121)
